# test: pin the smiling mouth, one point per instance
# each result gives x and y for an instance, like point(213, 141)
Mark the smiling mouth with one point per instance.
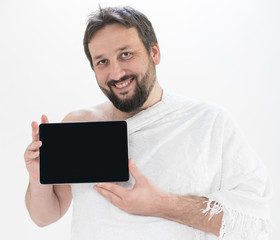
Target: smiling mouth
point(123, 83)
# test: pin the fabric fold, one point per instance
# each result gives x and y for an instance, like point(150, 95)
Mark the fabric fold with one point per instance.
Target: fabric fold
point(166, 107)
point(245, 189)
point(189, 148)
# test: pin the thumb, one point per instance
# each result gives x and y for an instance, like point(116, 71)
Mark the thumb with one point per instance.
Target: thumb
point(135, 172)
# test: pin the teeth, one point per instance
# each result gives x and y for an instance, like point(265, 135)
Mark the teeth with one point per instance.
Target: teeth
point(122, 84)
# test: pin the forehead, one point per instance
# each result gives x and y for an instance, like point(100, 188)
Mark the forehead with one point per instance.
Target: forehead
point(113, 37)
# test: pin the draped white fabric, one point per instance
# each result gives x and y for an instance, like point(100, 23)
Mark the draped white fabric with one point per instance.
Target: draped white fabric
point(186, 147)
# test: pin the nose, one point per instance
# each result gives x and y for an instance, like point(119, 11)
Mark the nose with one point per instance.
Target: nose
point(116, 70)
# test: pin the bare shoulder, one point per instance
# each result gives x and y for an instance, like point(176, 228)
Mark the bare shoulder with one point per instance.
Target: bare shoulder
point(96, 113)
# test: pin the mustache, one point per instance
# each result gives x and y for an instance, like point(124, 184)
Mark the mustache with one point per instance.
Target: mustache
point(125, 77)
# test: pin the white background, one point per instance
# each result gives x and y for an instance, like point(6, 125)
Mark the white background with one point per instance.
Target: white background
point(224, 52)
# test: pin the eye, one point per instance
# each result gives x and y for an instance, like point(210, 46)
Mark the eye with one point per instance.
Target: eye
point(102, 62)
point(126, 54)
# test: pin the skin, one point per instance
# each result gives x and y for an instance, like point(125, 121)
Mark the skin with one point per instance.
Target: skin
point(116, 51)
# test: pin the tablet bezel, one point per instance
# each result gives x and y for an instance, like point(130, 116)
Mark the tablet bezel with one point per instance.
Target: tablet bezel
point(119, 128)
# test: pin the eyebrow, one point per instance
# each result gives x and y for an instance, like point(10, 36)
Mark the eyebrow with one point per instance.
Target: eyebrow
point(118, 50)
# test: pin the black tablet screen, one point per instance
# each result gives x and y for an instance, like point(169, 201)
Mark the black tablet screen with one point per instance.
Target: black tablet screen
point(83, 152)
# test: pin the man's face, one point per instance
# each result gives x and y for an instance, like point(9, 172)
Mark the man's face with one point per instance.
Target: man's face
point(124, 70)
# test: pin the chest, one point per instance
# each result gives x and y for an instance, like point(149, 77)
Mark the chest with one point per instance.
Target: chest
point(179, 158)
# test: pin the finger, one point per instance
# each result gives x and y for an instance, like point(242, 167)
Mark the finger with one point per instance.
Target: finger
point(35, 131)
point(113, 188)
point(34, 146)
point(31, 155)
point(109, 195)
point(44, 119)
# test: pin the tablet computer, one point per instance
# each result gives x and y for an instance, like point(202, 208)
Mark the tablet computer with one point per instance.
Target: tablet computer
point(83, 152)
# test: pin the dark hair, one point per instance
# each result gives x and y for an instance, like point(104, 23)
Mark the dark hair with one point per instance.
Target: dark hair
point(125, 16)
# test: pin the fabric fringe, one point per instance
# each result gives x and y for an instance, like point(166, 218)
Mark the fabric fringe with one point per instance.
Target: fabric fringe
point(238, 224)
point(212, 208)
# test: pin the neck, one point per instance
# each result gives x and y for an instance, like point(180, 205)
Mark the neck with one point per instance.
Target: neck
point(154, 97)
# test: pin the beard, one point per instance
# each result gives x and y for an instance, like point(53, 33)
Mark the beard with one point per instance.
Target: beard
point(141, 92)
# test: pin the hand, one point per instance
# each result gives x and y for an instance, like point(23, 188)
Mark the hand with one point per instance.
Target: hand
point(144, 199)
point(31, 154)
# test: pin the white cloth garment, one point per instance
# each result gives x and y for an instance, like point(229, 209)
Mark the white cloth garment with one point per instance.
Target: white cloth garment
point(185, 147)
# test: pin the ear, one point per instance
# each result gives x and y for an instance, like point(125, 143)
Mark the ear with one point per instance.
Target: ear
point(155, 54)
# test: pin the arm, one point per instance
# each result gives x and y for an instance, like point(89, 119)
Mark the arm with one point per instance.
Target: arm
point(147, 199)
point(45, 203)
point(188, 210)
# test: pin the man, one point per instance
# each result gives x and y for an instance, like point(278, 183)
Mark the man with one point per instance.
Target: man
point(196, 177)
